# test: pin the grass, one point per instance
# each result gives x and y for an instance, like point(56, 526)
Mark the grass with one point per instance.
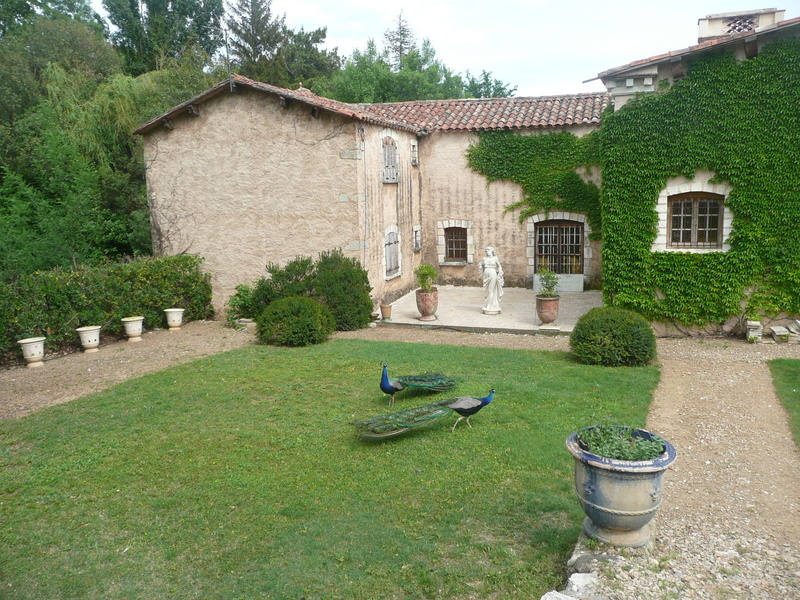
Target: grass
point(786, 376)
point(239, 476)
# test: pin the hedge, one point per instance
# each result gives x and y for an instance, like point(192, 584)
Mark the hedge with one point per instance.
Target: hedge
point(55, 303)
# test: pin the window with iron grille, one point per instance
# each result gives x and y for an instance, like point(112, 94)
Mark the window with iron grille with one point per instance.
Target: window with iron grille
point(391, 248)
point(390, 174)
point(455, 244)
point(695, 220)
point(559, 247)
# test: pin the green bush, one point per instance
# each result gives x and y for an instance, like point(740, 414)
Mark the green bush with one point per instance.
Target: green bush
point(295, 321)
point(342, 284)
point(613, 337)
point(338, 282)
point(55, 303)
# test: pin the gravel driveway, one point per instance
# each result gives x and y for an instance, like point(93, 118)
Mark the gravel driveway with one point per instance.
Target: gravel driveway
point(729, 527)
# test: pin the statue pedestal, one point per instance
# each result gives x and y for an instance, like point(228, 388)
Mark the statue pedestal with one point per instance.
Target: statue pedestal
point(488, 311)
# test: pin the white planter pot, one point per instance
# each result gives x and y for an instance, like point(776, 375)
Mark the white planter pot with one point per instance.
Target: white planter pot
point(174, 318)
point(90, 337)
point(133, 328)
point(33, 351)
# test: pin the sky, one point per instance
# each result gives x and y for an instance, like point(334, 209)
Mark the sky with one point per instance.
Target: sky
point(545, 47)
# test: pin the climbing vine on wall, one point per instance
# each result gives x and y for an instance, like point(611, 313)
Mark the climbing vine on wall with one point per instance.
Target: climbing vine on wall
point(546, 166)
point(738, 119)
point(735, 118)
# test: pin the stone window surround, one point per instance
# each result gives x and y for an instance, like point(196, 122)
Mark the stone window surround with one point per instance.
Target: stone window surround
point(393, 229)
point(440, 242)
point(557, 215)
point(681, 185)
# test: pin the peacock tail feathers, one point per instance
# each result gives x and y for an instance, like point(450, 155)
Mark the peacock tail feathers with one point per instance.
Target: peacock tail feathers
point(384, 426)
point(430, 381)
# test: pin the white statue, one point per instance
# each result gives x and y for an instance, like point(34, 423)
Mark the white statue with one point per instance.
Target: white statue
point(492, 273)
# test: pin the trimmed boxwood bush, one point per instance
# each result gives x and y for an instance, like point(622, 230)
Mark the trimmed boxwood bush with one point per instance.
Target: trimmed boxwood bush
point(295, 321)
point(613, 337)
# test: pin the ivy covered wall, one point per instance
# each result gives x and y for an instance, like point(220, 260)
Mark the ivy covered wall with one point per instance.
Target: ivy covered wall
point(741, 120)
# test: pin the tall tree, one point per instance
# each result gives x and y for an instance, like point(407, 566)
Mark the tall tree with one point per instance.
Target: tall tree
point(150, 32)
point(486, 86)
point(265, 49)
point(399, 42)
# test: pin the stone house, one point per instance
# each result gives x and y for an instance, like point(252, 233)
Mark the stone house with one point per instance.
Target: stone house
point(247, 173)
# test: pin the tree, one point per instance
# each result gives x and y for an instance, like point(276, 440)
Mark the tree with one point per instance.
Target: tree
point(15, 14)
point(487, 87)
point(152, 31)
point(402, 71)
point(265, 49)
point(399, 42)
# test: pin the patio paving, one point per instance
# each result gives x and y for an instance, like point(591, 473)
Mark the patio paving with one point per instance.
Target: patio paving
point(461, 308)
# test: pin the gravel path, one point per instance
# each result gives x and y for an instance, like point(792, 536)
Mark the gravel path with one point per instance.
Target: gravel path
point(729, 527)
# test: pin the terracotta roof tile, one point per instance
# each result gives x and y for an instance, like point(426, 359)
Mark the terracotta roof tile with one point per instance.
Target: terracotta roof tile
point(430, 115)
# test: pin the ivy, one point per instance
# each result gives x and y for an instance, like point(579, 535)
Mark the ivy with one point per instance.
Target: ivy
point(737, 119)
point(546, 166)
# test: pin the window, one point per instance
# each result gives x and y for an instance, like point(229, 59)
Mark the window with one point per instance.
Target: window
point(455, 244)
point(389, 160)
point(417, 238)
point(391, 249)
point(559, 247)
point(414, 154)
point(695, 220)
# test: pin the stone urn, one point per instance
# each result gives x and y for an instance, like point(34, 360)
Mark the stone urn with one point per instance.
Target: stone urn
point(90, 337)
point(133, 328)
point(386, 312)
point(427, 303)
point(174, 318)
point(547, 309)
point(620, 497)
point(33, 351)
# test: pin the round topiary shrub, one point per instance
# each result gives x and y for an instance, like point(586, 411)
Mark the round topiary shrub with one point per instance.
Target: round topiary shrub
point(294, 321)
point(613, 337)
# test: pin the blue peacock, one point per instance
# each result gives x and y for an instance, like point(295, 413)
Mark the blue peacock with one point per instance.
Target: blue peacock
point(385, 426)
point(429, 381)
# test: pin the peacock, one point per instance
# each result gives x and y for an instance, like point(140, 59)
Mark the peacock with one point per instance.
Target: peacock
point(385, 426)
point(430, 381)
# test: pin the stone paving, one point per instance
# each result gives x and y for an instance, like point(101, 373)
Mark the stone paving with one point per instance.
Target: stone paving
point(461, 308)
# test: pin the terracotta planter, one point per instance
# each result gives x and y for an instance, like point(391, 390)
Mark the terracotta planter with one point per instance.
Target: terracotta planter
point(174, 318)
point(427, 303)
point(547, 309)
point(620, 497)
point(33, 351)
point(90, 337)
point(133, 328)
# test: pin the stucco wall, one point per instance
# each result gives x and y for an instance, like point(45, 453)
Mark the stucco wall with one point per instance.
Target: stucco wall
point(454, 192)
point(249, 182)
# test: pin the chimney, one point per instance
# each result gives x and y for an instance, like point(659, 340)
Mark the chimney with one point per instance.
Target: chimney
point(724, 24)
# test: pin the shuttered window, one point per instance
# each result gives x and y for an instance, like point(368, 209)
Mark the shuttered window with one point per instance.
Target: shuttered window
point(390, 174)
point(392, 251)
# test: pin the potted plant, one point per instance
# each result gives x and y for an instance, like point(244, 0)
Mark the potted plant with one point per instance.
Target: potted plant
point(619, 474)
point(427, 294)
point(547, 297)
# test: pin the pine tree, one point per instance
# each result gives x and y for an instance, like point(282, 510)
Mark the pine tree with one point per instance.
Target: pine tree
point(399, 42)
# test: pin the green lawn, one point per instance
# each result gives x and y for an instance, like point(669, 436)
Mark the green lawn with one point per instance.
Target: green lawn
point(239, 476)
point(786, 375)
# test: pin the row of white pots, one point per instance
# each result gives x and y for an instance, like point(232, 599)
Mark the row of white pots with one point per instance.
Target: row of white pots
point(33, 348)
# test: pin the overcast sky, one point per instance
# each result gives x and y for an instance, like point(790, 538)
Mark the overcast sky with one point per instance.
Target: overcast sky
point(544, 47)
